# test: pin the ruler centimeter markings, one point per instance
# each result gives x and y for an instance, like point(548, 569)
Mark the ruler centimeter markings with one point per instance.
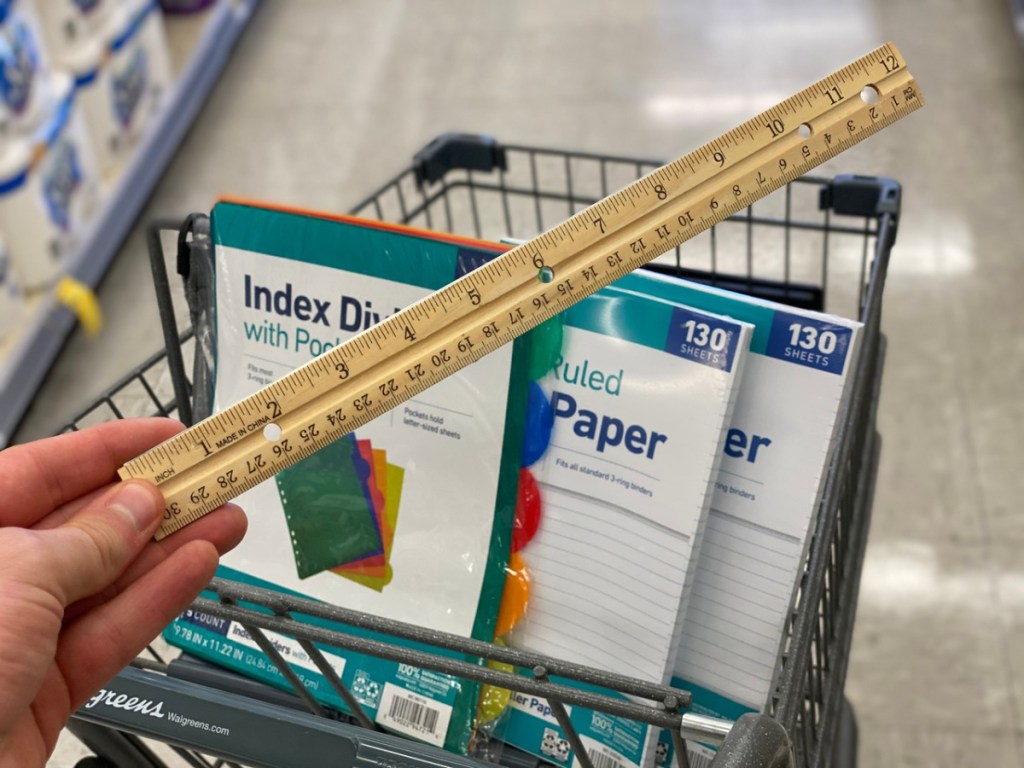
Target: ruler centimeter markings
point(354, 383)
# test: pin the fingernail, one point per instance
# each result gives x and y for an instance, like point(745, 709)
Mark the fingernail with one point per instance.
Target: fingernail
point(136, 502)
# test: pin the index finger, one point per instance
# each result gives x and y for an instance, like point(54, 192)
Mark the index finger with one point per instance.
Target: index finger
point(38, 477)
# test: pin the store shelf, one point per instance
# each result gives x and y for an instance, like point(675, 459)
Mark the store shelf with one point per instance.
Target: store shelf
point(26, 358)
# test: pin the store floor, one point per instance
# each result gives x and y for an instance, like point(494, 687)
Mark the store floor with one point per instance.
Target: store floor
point(323, 100)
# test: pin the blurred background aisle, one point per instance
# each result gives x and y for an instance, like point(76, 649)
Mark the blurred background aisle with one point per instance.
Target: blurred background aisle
point(323, 100)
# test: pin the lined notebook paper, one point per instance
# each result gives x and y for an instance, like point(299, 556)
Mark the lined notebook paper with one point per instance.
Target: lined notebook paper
point(638, 568)
point(743, 585)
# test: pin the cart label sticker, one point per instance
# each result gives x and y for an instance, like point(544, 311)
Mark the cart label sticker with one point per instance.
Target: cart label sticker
point(413, 715)
point(808, 341)
point(114, 699)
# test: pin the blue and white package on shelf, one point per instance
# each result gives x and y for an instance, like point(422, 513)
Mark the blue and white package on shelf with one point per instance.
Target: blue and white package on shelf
point(48, 190)
point(24, 86)
point(65, 25)
point(122, 74)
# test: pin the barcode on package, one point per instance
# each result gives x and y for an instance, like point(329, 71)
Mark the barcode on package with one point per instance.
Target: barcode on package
point(604, 760)
point(413, 715)
point(700, 759)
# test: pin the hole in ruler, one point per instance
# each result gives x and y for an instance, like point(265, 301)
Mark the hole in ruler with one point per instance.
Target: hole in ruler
point(546, 274)
point(272, 432)
point(869, 94)
point(804, 131)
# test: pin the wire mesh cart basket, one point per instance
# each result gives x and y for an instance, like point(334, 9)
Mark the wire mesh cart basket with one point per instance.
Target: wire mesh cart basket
point(820, 244)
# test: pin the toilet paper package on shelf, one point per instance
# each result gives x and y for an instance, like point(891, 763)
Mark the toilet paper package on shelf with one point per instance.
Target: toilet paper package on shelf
point(66, 25)
point(123, 75)
point(48, 190)
point(24, 92)
point(153, 37)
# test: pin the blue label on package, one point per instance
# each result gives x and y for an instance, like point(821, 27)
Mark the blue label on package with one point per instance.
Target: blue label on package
point(808, 341)
point(702, 338)
point(204, 620)
point(469, 260)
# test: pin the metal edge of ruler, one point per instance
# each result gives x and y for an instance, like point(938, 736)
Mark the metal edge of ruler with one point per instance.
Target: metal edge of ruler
point(354, 383)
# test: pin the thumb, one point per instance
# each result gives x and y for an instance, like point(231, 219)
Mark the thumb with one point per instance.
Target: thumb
point(96, 545)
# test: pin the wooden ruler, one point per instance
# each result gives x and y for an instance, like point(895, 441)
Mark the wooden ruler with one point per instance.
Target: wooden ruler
point(219, 458)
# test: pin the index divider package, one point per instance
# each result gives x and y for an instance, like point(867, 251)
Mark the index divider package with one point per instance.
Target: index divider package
point(408, 518)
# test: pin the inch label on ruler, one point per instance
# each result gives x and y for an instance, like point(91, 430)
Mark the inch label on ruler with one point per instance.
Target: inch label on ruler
point(343, 389)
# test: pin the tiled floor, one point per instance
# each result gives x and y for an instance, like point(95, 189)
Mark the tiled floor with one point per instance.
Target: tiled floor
point(324, 100)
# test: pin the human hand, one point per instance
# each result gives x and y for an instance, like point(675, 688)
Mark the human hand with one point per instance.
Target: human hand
point(83, 586)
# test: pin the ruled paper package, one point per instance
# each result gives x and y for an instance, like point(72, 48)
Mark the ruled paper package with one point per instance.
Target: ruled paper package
point(639, 417)
point(794, 388)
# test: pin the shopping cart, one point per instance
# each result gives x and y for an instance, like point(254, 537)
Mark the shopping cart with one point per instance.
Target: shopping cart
point(817, 243)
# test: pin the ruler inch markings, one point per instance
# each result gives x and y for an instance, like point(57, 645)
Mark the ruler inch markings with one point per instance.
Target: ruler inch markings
point(348, 386)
